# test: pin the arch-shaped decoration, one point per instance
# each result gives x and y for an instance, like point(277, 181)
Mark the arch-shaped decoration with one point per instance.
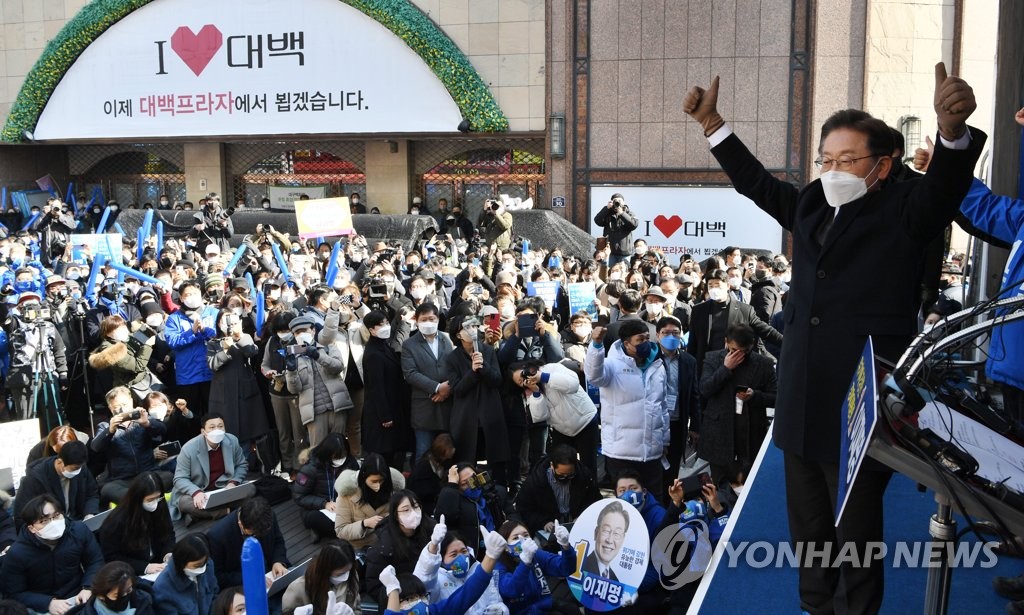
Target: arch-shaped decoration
point(401, 17)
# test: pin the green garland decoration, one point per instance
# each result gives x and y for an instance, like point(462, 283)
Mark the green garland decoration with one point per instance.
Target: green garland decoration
point(401, 17)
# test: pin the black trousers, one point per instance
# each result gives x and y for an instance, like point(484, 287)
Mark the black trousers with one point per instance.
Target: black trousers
point(585, 442)
point(811, 501)
point(197, 396)
point(1013, 401)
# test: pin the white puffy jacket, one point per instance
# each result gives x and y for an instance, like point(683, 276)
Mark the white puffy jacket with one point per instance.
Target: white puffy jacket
point(564, 404)
point(634, 416)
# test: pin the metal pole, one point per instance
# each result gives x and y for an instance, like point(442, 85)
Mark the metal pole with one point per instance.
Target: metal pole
point(942, 528)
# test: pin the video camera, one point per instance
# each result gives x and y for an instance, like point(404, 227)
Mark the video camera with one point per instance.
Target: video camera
point(378, 289)
point(35, 313)
point(482, 481)
point(295, 349)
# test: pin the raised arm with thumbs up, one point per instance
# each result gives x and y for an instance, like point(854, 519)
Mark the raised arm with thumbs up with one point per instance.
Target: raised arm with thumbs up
point(702, 106)
point(954, 103)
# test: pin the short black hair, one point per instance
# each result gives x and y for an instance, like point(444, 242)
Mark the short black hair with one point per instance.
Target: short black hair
point(630, 300)
point(665, 321)
point(898, 142)
point(33, 510)
point(880, 142)
point(717, 274)
point(211, 416)
point(562, 455)
point(741, 334)
point(629, 473)
point(426, 308)
point(256, 516)
point(191, 548)
point(74, 453)
point(631, 327)
point(374, 318)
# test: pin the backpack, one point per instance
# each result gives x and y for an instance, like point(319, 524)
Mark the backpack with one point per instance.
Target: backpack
point(273, 488)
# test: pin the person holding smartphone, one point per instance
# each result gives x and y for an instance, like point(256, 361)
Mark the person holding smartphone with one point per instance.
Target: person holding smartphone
point(737, 385)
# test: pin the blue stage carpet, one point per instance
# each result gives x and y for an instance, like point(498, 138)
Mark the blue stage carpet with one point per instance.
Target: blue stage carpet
point(774, 590)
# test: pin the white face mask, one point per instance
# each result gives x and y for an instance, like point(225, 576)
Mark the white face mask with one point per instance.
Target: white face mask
point(717, 294)
point(341, 578)
point(841, 187)
point(427, 327)
point(304, 338)
point(237, 311)
point(383, 332)
point(285, 336)
point(735, 283)
point(582, 332)
point(119, 335)
point(215, 435)
point(738, 489)
point(194, 573)
point(655, 307)
point(158, 412)
point(72, 473)
point(53, 530)
point(418, 293)
point(151, 506)
point(927, 327)
point(155, 320)
point(640, 251)
point(615, 275)
point(193, 302)
point(339, 462)
point(508, 311)
point(411, 520)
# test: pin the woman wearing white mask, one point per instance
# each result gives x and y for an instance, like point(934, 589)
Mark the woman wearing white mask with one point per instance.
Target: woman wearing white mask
point(52, 560)
point(313, 487)
point(126, 358)
point(386, 423)
point(363, 498)
point(188, 585)
point(139, 531)
point(234, 392)
point(332, 570)
point(406, 530)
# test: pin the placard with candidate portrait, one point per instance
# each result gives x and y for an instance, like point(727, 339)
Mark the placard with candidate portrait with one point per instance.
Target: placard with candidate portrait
point(612, 548)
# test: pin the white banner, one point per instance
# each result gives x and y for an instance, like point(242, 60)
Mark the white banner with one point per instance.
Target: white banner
point(246, 67)
point(284, 197)
point(701, 221)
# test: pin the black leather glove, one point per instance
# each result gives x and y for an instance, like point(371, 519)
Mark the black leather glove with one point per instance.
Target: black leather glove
point(312, 352)
point(291, 362)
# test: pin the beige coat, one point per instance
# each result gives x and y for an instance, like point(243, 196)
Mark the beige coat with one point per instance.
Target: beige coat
point(350, 511)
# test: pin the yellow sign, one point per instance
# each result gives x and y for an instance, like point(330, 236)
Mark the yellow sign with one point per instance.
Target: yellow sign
point(324, 217)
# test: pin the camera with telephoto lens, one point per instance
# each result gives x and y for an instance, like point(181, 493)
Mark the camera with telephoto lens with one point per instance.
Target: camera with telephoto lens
point(35, 313)
point(493, 204)
point(378, 289)
point(223, 215)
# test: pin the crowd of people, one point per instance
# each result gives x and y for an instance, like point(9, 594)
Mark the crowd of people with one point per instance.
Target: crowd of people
point(438, 426)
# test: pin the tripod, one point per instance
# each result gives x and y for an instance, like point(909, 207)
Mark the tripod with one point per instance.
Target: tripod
point(43, 388)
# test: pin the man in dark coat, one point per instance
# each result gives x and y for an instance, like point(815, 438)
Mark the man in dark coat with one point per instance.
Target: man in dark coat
point(712, 318)
point(850, 221)
point(257, 519)
point(65, 478)
point(618, 223)
point(765, 294)
point(537, 501)
point(386, 427)
point(737, 385)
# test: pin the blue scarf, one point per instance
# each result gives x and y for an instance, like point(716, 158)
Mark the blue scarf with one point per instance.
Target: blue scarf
point(482, 512)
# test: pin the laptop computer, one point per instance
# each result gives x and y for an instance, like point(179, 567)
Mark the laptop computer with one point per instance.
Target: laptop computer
point(283, 581)
point(226, 495)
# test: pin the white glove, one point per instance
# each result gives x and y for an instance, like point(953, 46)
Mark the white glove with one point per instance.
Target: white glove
point(494, 543)
point(337, 608)
point(306, 609)
point(496, 609)
point(529, 550)
point(439, 532)
point(561, 535)
point(389, 580)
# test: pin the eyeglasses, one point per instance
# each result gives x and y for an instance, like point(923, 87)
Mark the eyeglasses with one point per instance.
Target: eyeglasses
point(843, 163)
point(45, 519)
point(606, 532)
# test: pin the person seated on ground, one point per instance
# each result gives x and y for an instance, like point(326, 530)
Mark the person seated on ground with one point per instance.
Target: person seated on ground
point(50, 445)
point(139, 530)
point(212, 460)
point(524, 569)
point(445, 564)
point(313, 488)
point(188, 585)
point(53, 561)
point(363, 499)
point(630, 488)
point(558, 488)
point(115, 592)
point(731, 487)
point(403, 534)
point(333, 569)
point(406, 594)
point(704, 513)
point(254, 518)
point(128, 441)
point(230, 601)
point(430, 473)
point(468, 503)
point(63, 478)
point(8, 533)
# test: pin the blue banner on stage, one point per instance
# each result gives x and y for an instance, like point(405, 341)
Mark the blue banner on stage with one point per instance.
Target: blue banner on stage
point(859, 415)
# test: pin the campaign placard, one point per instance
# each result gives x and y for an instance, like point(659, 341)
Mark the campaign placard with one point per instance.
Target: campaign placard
point(582, 297)
point(85, 247)
point(324, 217)
point(612, 550)
point(548, 291)
point(859, 416)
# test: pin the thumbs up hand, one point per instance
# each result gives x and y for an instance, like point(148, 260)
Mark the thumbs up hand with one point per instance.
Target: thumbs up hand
point(954, 103)
point(923, 155)
point(702, 106)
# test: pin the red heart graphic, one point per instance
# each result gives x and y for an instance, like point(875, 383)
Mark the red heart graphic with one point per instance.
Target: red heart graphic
point(667, 226)
point(196, 50)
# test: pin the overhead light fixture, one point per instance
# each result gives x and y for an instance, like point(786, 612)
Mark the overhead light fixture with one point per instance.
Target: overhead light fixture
point(556, 128)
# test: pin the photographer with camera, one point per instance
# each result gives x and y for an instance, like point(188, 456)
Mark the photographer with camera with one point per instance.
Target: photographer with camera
point(618, 223)
point(495, 225)
point(470, 500)
point(53, 225)
point(127, 440)
point(38, 365)
point(126, 356)
point(314, 372)
point(213, 226)
point(234, 391)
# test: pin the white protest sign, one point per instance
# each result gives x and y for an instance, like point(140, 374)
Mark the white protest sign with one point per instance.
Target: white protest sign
point(284, 197)
point(16, 439)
